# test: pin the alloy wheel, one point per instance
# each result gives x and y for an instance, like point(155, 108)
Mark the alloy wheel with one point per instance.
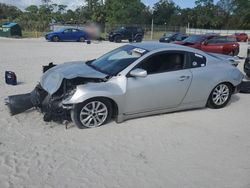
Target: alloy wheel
point(220, 94)
point(93, 114)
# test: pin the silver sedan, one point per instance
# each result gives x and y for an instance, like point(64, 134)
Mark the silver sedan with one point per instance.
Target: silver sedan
point(137, 80)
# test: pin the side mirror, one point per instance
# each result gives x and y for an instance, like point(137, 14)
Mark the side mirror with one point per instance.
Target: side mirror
point(205, 43)
point(138, 72)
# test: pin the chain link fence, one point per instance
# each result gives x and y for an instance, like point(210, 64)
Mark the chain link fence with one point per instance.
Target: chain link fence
point(151, 32)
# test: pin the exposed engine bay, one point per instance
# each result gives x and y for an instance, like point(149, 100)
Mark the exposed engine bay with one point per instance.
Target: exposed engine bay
point(50, 104)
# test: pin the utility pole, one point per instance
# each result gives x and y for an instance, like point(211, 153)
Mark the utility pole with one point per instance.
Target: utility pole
point(152, 28)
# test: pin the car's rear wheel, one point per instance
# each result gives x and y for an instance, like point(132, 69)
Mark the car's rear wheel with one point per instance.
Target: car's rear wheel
point(117, 39)
point(220, 96)
point(92, 113)
point(247, 66)
point(232, 53)
point(81, 39)
point(55, 39)
point(138, 39)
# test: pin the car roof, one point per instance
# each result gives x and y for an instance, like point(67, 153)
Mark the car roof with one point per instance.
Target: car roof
point(150, 46)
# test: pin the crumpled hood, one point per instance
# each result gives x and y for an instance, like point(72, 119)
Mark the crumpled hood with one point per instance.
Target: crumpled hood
point(52, 79)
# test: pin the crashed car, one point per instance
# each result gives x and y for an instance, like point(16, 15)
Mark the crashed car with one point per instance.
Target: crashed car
point(134, 80)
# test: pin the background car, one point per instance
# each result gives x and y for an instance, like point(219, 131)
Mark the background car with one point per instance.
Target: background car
point(213, 43)
point(241, 37)
point(247, 66)
point(134, 80)
point(126, 33)
point(69, 34)
point(171, 37)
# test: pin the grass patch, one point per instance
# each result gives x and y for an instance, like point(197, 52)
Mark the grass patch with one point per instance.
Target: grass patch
point(33, 34)
point(156, 35)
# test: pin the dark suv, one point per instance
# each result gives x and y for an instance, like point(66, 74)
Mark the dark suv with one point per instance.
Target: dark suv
point(126, 33)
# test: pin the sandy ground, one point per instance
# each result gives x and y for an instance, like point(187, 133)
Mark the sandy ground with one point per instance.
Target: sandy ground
point(193, 149)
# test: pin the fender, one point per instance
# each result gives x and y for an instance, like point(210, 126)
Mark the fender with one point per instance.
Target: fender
point(102, 89)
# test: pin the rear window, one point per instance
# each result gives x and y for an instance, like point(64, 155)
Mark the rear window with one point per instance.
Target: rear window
point(221, 39)
point(197, 60)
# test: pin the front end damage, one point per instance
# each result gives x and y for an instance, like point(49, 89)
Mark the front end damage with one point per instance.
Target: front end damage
point(48, 95)
point(50, 105)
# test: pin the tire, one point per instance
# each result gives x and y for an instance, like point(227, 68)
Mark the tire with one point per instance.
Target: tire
point(81, 39)
point(246, 66)
point(130, 40)
point(232, 53)
point(118, 39)
point(84, 115)
point(220, 96)
point(138, 39)
point(55, 39)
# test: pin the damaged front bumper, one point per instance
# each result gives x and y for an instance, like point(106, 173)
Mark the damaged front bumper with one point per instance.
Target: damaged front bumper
point(50, 106)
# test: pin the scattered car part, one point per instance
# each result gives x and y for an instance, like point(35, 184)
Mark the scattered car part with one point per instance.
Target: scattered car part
point(47, 67)
point(134, 80)
point(10, 78)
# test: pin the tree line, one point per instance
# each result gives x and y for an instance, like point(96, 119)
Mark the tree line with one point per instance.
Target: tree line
point(225, 14)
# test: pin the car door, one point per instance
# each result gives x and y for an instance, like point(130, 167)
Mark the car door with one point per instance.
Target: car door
point(165, 86)
point(214, 45)
point(75, 34)
point(129, 32)
point(67, 35)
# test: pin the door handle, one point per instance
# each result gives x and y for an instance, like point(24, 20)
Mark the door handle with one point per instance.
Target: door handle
point(182, 78)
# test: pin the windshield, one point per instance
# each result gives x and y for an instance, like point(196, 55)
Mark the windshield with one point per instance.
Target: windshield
point(168, 35)
point(194, 39)
point(115, 61)
point(120, 29)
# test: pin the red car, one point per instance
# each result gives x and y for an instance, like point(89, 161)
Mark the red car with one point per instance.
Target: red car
point(241, 37)
point(212, 43)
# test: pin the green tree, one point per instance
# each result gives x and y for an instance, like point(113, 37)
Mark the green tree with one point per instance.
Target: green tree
point(124, 11)
point(163, 11)
point(241, 12)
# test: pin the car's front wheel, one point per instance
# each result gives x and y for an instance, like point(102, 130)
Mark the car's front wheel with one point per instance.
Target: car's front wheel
point(138, 39)
point(220, 96)
point(92, 113)
point(55, 39)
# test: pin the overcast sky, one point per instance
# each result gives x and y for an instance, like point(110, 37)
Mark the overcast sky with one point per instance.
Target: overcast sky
point(76, 3)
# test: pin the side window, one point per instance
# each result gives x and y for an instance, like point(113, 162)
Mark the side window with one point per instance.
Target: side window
point(197, 60)
point(163, 62)
point(75, 30)
point(179, 37)
point(67, 30)
point(212, 41)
